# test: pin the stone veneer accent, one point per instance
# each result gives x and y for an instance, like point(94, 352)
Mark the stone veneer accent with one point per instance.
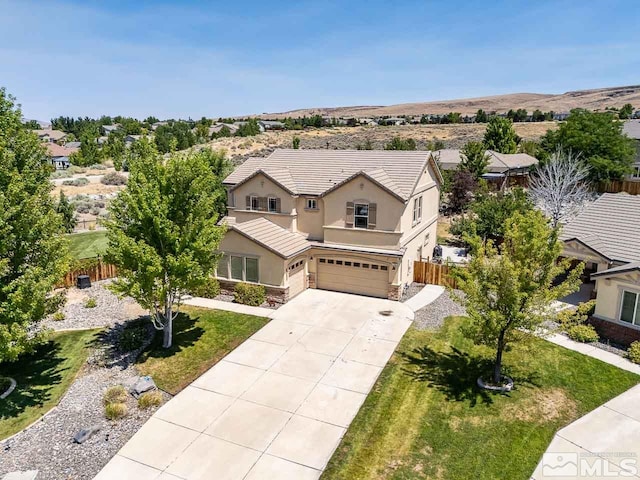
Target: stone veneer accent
point(615, 331)
point(278, 294)
point(394, 292)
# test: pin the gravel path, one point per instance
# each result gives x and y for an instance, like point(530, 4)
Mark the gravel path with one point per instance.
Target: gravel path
point(109, 309)
point(432, 316)
point(47, 446)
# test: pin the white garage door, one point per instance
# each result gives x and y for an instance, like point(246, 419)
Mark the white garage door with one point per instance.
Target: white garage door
point(297, 278)
point(347, 275)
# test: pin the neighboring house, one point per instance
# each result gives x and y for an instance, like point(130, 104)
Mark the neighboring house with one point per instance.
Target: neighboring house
point(503, 168)
point(129, 139)
point(60, 155)
point(107, 129)
point(561, 116)
point(233, 128)
point(395, 121)
point(606, 236)
point(632, 129)
point(343, 220)
point(72, 144)
point(49, 135)
point(271, 125)
point(367, 121)
point(158, 124)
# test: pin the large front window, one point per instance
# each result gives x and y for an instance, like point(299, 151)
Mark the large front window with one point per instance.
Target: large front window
point(244, 269)
point(630, 311)
point(361, 215)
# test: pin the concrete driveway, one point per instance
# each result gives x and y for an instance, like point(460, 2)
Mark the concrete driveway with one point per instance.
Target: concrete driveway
point(277, 406)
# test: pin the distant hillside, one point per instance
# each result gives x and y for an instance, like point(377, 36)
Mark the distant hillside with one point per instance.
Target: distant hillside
point(596, 99)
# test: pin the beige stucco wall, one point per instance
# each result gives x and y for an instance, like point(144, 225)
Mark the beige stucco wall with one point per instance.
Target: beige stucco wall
point(426, 239)
point(261, 186)
point(285, 220)
point(270, 266)
point(361, 237)
point(310, 222)
point(430, 207)
point(609, 294)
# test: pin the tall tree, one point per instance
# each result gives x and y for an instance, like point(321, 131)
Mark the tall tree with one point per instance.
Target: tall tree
point(626, 111)
point(560, 187)
point(475, 159)
point(481, 116)
point(67, 213)
point(162, 231)
point(500, 135)
point(509, 289)
point(398, 143)
point(599, 140)
point(115, 148)
point(33, 251)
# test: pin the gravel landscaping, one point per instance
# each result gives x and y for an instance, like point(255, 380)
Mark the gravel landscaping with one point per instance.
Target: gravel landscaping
point(48, 445)
point(432, 316)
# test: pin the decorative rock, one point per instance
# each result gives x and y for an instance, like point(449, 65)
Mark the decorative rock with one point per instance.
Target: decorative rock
point(86, 433)
point(29, 475)
point(144, 384)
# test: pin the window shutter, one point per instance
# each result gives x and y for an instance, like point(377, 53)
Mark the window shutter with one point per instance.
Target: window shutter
point(262, 204)
point(349, 219)
point(373, 208)
point(278, 205)
point(248, 202)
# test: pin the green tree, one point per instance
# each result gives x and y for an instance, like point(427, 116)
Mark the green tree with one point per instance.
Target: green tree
point(398, 143)
point(163, 233)
point(481, 116)
point(32, 124)
point(296, 143)
point(115, 148)
point(509, 289)
point(67, 213)
point(538, 116)
point(500, 135)
point(249, 128)
point(598, 139)
point(33, 251)
point(626, 111)
point(463, 185)
point(90, 152)
point(474, 159)
point(202, 132)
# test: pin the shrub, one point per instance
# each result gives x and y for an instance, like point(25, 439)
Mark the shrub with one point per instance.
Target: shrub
point(575, 316)
point(58, 316)
point(76, 182)
point(132, 336)
point(249, 294)
point(115, 394)
point(583, 333)
point(113, 178)
point(90, 303)
point(98, 166)
point(586, 308)
point(211, 289)
point(634, 352)
point(114, 411)
point(150, 399)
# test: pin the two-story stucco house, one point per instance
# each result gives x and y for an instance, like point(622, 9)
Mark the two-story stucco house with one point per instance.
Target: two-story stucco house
point(343, 220)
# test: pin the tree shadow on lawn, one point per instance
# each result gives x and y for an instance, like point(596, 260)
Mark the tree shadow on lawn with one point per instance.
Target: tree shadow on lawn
point(455, 374)
point(186, 333)
point(35, 374)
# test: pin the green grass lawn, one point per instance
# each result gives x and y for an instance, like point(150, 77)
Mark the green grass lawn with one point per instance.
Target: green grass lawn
point(425, 418)
point(201, 337)
point(87, 244)
point(42, 377)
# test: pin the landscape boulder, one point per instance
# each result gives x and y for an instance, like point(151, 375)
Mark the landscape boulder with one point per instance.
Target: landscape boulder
point(144, 384)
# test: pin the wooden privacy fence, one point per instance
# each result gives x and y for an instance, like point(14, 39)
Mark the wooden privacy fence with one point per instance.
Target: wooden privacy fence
point(620, 186)
point(96, 270)
point(434, 273)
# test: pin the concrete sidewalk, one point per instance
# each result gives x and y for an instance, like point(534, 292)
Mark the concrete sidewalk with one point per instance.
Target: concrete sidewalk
point(424, 297)
point(230, 307)
point(278, 405)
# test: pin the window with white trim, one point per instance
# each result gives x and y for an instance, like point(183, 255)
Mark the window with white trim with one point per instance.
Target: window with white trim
point(361, 215)
point(255, 203)
point(630, 311)
point(417, 210)
point(312, 204)
point(635, 173)
point(244, 269)
point(222, 270)
point(273, 204)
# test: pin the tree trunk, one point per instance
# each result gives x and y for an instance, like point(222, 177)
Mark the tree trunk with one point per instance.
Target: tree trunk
point(167, 332)
point(497, 367)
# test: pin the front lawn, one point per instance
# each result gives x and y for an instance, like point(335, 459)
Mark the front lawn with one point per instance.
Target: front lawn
point(42, 377)
point(88, 244)
point(426, 419)
point(201, 337)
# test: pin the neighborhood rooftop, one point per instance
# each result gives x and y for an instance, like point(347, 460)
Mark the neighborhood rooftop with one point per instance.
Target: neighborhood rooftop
point(315, 172)
point(610, 226)
point(632, 129)
point(449, 159)
point(272, 236)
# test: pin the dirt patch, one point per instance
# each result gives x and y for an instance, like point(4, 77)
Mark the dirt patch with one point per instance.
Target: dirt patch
point(75, 295)
point(542, 406)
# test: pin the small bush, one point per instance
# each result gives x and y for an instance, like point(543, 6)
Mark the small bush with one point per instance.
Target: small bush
point(76, 182)
point(98, 166)
point(211, 289)
point(113, 178)
point(249, 294)
point(58, 316)
point(132, 337)
point(583, 333)
point(90, 303)
point(114, 411)
point(575, 316)
point(586, 308)
point(115, 394)
point(634, 352)
point(150, 399)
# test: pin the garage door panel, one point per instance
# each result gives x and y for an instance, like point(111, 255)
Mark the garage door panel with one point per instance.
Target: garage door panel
point(296, 282)
point(343, 278)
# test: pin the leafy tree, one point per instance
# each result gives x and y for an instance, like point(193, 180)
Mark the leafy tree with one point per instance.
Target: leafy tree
point(533, 148)
point(626, 111)
point(598, 139)
point(474, 159)
point(67, 213)
point(435, 145)
point(519, 115)
point(90, 152)
point(162, 231)
point(33, 251)
point(463, 185)
point(398, 143)
point(202, 132)
point(221, 168)
point(500, 135)
point(481, 116)
point(130, 126)
point(174, 136)
point(151, 120)
point(538, 116)
point(509, 290)
point(32, 124)
point(296, 143)
point(248, 129)
point(224, 132)
point(115, 148)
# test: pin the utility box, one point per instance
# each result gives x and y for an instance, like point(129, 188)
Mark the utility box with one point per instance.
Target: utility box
point(83, 282)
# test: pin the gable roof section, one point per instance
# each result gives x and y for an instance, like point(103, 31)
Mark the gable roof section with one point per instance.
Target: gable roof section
point(610, 226)
point(378, 177)
point(450, 158)
point(632, 129)
point(615, 271)
point(315, 172)
point(273, 237)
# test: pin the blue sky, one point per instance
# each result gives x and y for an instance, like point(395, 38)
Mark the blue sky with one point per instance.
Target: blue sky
point(195, 58)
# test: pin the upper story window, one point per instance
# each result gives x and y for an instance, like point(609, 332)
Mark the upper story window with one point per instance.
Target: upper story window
point(263, 204)
point(361, 215)
point(417, 210)
point(254, 204)
point(312, 204)
point(273, 204)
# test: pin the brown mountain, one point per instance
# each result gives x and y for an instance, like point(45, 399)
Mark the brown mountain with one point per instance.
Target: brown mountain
point(596, 99)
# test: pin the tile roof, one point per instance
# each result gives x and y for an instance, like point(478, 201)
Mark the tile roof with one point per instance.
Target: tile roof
point(315, 172)
point(610, 225)
point(271, 236)
point(628, 267)
point(55, 150)
point(450, 158)
point(632, 129)
point(55, 134)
